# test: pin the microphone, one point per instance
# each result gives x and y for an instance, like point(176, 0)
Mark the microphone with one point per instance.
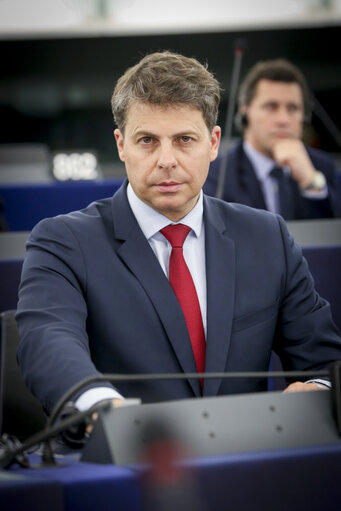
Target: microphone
point(52, 430)
point(239, 48)
point(240, 45)
point(12, 452)
point(325, 118)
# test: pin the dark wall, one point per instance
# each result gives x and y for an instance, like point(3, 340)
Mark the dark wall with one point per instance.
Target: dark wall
point(57, 91)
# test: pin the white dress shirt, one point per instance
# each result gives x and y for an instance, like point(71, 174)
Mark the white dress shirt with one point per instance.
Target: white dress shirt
point(151, 222)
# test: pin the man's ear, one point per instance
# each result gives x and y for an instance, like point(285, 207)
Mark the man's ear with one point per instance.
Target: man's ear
point(215, 141)
point(120, 143)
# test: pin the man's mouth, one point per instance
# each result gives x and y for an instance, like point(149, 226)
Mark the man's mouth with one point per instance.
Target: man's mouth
point(282, 134)
point(168, 187)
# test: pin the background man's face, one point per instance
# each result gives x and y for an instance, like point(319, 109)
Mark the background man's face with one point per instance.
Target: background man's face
point(275, 113)
point(167, 152)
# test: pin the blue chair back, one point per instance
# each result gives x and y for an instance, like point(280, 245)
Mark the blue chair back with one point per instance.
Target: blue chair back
point(325, 266)
point(24, 205)
point(10, 273)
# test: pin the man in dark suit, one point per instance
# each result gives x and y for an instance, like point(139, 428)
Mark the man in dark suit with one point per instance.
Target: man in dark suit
point(95, 295)
point(271, 168)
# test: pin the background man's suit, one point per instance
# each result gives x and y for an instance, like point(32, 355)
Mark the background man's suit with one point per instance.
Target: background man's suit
point(241, 184)
point(95, 270)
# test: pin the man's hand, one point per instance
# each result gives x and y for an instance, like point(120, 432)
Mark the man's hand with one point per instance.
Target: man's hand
point(298, 386)
point(292, 153)
point(116, 402)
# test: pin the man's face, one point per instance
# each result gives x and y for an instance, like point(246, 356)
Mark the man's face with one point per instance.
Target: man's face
point(167, 152)
point(275, 113)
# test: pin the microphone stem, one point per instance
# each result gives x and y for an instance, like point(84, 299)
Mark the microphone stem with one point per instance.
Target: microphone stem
point(229, 121)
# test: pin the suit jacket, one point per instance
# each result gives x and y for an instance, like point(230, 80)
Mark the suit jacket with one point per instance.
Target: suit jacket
point(93, 298)
point(241, 184)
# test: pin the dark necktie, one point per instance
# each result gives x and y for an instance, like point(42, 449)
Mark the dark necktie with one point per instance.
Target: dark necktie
point(285, 193)
point(181, 281)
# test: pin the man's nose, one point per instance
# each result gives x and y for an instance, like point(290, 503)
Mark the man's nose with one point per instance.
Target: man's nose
point(283, 115)
point(167, 158)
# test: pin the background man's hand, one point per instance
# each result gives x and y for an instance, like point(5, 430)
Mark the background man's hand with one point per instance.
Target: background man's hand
point(292, 153)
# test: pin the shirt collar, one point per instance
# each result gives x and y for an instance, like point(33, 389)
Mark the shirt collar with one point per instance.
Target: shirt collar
point(151, 221)
point(262, 164)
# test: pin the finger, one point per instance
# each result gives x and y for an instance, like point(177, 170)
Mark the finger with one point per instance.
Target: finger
point(90, 427)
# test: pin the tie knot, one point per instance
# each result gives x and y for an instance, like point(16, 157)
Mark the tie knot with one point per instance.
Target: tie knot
point(277, 172)
point(176, 234)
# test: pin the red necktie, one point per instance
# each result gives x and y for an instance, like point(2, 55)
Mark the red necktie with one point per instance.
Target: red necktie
point(181, 281)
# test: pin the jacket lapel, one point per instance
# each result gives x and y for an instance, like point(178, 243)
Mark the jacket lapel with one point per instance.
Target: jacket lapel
point(220, 278)
point(137, 254)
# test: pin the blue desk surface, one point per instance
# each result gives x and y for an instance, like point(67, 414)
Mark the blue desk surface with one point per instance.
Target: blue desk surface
point(26, 204)
point(36, 493)
point(282, 480)
point(84, 487)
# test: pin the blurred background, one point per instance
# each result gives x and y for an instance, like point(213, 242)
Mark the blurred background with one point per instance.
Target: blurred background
point(60, 60)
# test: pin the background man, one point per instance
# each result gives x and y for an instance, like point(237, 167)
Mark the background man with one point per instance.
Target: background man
point(271, 168)
point(95, 295)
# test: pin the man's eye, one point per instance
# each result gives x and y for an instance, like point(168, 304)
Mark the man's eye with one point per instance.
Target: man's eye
point(270, 107)
point(145, 140)
point(186, 139)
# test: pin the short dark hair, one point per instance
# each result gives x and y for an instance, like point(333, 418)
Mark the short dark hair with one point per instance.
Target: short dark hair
point(278, 70)
point(166, 78)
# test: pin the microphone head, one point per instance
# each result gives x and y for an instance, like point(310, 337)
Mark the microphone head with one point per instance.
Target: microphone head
point(240, 46)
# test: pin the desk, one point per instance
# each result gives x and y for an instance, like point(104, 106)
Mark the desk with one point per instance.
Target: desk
point(282, 480)
point(13, 245)
point(316, 233)
point(85, 487)
point(285, 480)
point(36, 493)
point(12, 253)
